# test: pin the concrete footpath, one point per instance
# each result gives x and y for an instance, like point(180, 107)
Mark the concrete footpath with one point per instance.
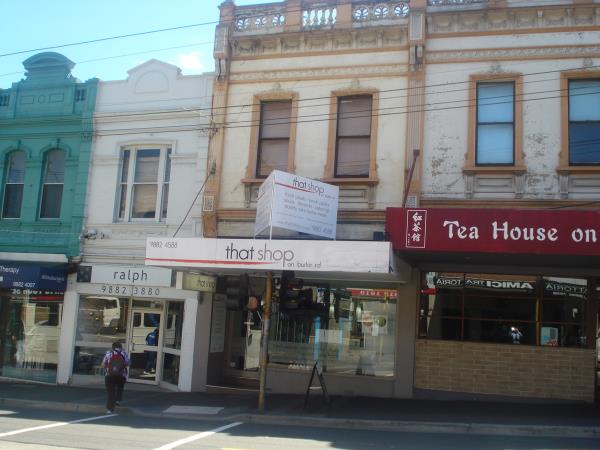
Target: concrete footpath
point(415, 415)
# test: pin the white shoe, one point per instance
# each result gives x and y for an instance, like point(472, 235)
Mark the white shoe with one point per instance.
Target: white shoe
point(108, 411)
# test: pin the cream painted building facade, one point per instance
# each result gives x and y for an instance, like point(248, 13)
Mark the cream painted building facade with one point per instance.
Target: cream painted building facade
point(318, 90)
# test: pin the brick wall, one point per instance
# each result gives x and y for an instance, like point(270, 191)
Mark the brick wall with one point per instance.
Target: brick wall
point(512, 370)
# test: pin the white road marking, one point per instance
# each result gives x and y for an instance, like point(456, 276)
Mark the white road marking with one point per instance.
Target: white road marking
point(56, 424)
point(195, 437)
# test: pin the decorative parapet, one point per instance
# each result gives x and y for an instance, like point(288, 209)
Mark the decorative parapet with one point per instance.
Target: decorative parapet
point(513, 19)
point(379, 11)
point(319, 16)
point(311, 15)
point(260, 20)
point(454, 2)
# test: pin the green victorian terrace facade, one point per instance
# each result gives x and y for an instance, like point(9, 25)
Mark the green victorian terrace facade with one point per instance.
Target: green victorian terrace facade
point(46, 128)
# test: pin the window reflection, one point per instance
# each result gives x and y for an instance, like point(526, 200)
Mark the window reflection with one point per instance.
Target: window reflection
point(348, 331)
point(510, 309)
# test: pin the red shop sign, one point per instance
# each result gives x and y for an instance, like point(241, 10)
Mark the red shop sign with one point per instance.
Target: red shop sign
point(494, 231)
point(377, 293)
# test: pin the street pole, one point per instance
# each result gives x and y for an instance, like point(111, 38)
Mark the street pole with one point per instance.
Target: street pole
point(264, 341)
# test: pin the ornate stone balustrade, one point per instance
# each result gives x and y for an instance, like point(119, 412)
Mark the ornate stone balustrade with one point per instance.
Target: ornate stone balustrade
point(316, 15)
point(319, 17)
point(454, 2)
point(378, 11)
point(259, 20)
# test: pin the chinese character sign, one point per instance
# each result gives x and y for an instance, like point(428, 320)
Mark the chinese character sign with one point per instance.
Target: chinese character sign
point(416, 228)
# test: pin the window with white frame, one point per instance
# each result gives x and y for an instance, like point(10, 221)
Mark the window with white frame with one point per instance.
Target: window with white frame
point(584, 121)
point(495, 123)
point(13, 185)
point(53, 184)
point(144, 183)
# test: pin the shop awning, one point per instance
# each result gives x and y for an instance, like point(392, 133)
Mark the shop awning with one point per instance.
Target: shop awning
point(316, 259)
point(549, 240)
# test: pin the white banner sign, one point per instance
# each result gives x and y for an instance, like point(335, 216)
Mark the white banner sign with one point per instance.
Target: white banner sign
point(129, 275)
point(311, 256)
point(296, 203)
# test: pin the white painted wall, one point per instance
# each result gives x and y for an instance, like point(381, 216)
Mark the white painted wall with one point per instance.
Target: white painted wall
point(154, 105)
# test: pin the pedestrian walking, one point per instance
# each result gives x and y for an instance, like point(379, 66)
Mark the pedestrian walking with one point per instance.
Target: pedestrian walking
point(151, 341)
point(115, 364)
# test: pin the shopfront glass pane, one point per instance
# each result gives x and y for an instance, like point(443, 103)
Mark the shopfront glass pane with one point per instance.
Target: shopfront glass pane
point(174, 325)
point(441, 328)
point(563, 310)
point(349, 331)
point(562, 335)
point(88, 360)
point(29, 332)
point(170, 373)
point(102, 320)
point(499, 331)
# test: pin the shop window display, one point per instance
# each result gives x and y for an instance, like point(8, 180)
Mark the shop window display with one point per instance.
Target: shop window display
point(100, 322)
point(30, 327)
point(530, 310)
point(349, 331)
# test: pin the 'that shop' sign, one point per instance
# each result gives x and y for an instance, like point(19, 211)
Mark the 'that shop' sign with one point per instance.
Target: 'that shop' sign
point(261, 254)
point(290, 202)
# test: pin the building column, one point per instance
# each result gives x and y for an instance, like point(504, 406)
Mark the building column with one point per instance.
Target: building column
point(67, 336)
point(406, 320)
point(195, 346)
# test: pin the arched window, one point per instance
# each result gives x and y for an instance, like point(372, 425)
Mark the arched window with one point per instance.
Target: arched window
point(13, 186)
point(52, 190)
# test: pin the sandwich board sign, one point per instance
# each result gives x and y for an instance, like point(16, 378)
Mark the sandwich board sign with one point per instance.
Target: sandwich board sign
point(292, 202)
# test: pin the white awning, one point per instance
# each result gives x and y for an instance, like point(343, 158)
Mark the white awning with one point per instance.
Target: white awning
point(34, 257)
point(352, 260)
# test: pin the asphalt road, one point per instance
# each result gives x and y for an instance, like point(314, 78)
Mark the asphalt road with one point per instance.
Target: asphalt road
point(40, 429)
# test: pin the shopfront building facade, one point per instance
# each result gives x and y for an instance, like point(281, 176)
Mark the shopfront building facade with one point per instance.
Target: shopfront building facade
point(316, 78)
point(45, 140)
point(148, 163)
point(507, 182)
point(318, 314)
point(507, 302)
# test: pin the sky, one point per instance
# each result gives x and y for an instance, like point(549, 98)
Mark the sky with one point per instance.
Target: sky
point(36, 24)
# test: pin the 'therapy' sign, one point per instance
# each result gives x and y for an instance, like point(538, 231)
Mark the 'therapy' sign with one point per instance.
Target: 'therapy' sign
point(296, 203)
point(495, 231)
point(34, 277)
